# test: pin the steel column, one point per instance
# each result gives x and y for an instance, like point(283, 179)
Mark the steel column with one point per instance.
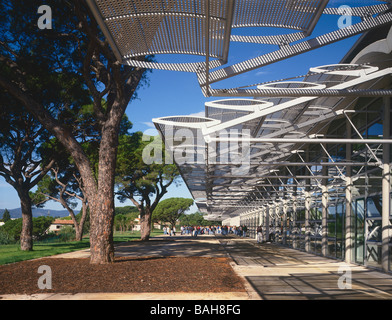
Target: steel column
point(349, 231)
point(386, 186)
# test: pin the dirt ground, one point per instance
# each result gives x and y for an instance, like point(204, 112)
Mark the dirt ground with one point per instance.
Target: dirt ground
point(126, 274)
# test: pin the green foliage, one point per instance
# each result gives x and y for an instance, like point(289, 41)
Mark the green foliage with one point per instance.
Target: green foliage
point(67, 234)
point(5, 238)
point(127, 210)
point(135, 177)
point(197, 219)
point(123, 223)
point(13, 228)
point(172, 209)
point(6, 215)
point(124, 218)
point(40, 226)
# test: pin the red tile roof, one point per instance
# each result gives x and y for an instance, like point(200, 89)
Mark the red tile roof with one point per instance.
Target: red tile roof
point(58, 221)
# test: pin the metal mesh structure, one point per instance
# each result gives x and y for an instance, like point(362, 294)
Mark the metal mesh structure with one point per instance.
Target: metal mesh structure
point(137, 28)
point(297, 14)
point(248, 151)
point(296, 155)
point(169, 26)
point(154, 27)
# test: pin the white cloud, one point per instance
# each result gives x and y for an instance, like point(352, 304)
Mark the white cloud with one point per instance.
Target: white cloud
point(149, 124)
point(198, 114)
point(261, 73)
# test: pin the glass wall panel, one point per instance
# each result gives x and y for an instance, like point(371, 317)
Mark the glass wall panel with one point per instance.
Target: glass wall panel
point(373, 231)
point(340, 230)
point(331, 231)
point(374, 207)
point(289, 228)
point(373, 254)
point(315, 230)
point(359, 230)
point(390, 257)
point(300, 228)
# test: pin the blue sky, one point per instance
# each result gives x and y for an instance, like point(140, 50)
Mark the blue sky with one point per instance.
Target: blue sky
point(178, 93)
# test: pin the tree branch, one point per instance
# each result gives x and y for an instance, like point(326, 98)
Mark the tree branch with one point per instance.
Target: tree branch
point(52, 125)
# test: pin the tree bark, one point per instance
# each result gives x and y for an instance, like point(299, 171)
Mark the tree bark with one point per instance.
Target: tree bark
point(145, 224)
point(26, 237)
point(79, 232)
point(102, 207)
point(101, 231)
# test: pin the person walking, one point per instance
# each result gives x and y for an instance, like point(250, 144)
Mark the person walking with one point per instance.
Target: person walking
point(259, 234)
point(244, 229)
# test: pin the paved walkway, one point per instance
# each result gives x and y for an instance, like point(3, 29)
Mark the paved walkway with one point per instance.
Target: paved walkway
point(277, 272)
point(270, 272)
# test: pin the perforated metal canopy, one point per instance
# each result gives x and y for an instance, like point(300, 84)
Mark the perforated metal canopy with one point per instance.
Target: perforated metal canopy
point(140, 28)
point(136, 28)
point(244, 151)
point(242, 154)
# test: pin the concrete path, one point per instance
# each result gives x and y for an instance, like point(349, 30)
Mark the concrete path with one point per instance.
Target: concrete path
point(270, 272)
point(277, 272)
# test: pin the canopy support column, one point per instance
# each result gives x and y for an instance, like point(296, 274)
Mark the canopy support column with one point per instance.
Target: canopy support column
point(386, 186)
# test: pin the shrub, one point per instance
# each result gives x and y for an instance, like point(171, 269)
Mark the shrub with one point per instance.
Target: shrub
point(41, 226)
point(5, 238)
point(66, 234)
point(12, 228)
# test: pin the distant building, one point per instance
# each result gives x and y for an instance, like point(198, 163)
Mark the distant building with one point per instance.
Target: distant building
point(137, 225)
point(58, 224)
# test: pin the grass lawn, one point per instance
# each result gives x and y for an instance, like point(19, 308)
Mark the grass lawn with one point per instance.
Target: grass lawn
point(11, 253)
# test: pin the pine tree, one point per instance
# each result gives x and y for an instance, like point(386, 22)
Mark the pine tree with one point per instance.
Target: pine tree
point(6, 215)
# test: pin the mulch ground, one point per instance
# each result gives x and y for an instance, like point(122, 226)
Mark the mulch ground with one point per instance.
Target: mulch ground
point(125, 275)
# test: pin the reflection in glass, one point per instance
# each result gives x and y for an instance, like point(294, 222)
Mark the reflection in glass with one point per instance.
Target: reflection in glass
point(390, 258)
point(374, 207)
point(331, 231)
point(373, 230)
point(373, 255)
point(359, 230)
point(340, 230)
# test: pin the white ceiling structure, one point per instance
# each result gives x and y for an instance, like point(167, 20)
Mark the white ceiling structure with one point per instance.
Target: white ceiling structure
point(240, 155)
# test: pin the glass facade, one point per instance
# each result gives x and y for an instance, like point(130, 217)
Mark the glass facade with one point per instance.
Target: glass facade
point(315, 220)
point(305, 231)
point(336, 230)
point(359, 229)
point(373, 227)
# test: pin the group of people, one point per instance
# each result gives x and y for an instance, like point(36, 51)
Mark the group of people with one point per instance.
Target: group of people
point(240, 231)
point(261, 237)
point(194, 231)
point(169, 231)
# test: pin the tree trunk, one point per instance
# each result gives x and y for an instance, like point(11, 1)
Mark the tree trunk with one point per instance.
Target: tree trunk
point(145, 224)
point(80, 227)
point(102, 207)
point(26, 237)
point(101, 231)
point(78, 234)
